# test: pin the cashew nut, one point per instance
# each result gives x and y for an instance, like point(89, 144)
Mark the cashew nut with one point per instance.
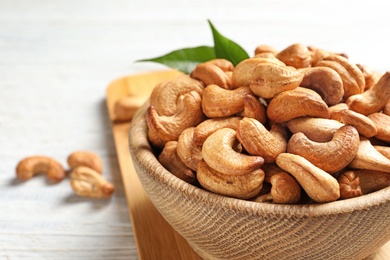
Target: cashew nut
point(382, 124)
point(284, 190)
point(189, 153)
point(351, 75)
point(318, 54)
point(209, 126)
point(318, 184)
point(33, 165)
point(354, 183)
point(168, 128)
point(296, 55)
point(213, 72)
point(330, 156)
point(257, 140)
point(172, 162)
point(264, 48)
point(296, 103)
point(89, 183)
point(372, 100)
point(363, 124)
point(369, 158)
point(326, 82)
point(254, 108)
point(239, 186)
point(370, 77)
point(316, 129)
point(165, 95)
point(219, 102)
point(125, 108)
point(219, 154)
point(85, 158)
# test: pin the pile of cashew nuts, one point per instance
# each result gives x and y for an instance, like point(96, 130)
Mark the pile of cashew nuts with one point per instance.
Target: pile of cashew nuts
point(85, 170)
point(300, 125)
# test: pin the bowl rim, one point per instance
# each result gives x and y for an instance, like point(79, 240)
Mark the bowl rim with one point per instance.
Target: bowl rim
point(140, 150)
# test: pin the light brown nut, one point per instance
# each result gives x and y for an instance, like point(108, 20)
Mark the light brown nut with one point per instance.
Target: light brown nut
point(351, 75)
point(372, 100)
point(86, 182)
point(326, 82)
point(318, 184)
point(189, 153)
point(209, 126)
point(264, 48)
point(354, 183)
point(172, 162)
point(266, 77)
point(370, 77)
point(382, 123)
point(284, 190)
point(296, 55)
point(219, 154)
point(85, 158)
point(301, 102)
point(238, 186)
point(219, 102)
point(125, 107)
point(316, 129)
point(33, 165)
point(362, 123)
point(253, 108)
point(165, 95)
point(213, 72)
point(330, 156)
point(168, 128)
point(257, 140)
point(368, 158)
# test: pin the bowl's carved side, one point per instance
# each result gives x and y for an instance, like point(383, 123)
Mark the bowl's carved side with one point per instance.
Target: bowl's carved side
point(223, 228)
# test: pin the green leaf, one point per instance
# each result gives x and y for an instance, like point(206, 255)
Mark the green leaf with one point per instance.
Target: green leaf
point(226, 48)
point(186, 59)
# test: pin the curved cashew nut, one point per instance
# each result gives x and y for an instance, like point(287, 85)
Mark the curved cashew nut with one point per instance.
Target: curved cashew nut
point(264, 48)
point(165, 95)
point(85, 158)
point(257, 140)
point(219, 102)
point(372, 100)
point(213, 72)
point(351, 75)
point(30, 166)
point(89, 183)
point(301, 102)
point(238, 186)
point(189, 153)
point(318, 184)
point(330, 156)
point(125, 107)
point(318, 54)
point(172, 162)
point(369, 158)
point(316, 129)
point(168, 128)
point(326, 82)
point(254, 108)
point(382, 123)
point(219, 154)
point(284, 190)
point(362, 123)
point(209, 126)
point(354, 183)
point(296, 55)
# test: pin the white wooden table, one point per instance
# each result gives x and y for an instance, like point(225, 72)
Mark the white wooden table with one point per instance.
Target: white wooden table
point(56, 60)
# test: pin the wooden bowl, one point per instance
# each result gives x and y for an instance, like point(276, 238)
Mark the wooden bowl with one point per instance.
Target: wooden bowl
point(219, 227)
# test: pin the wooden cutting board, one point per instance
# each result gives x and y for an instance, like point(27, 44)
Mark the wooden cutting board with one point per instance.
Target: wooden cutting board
point(154, 237)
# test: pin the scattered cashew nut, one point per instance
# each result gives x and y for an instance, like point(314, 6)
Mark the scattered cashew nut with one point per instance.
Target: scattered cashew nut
point(33, 165)
point(85, 158)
